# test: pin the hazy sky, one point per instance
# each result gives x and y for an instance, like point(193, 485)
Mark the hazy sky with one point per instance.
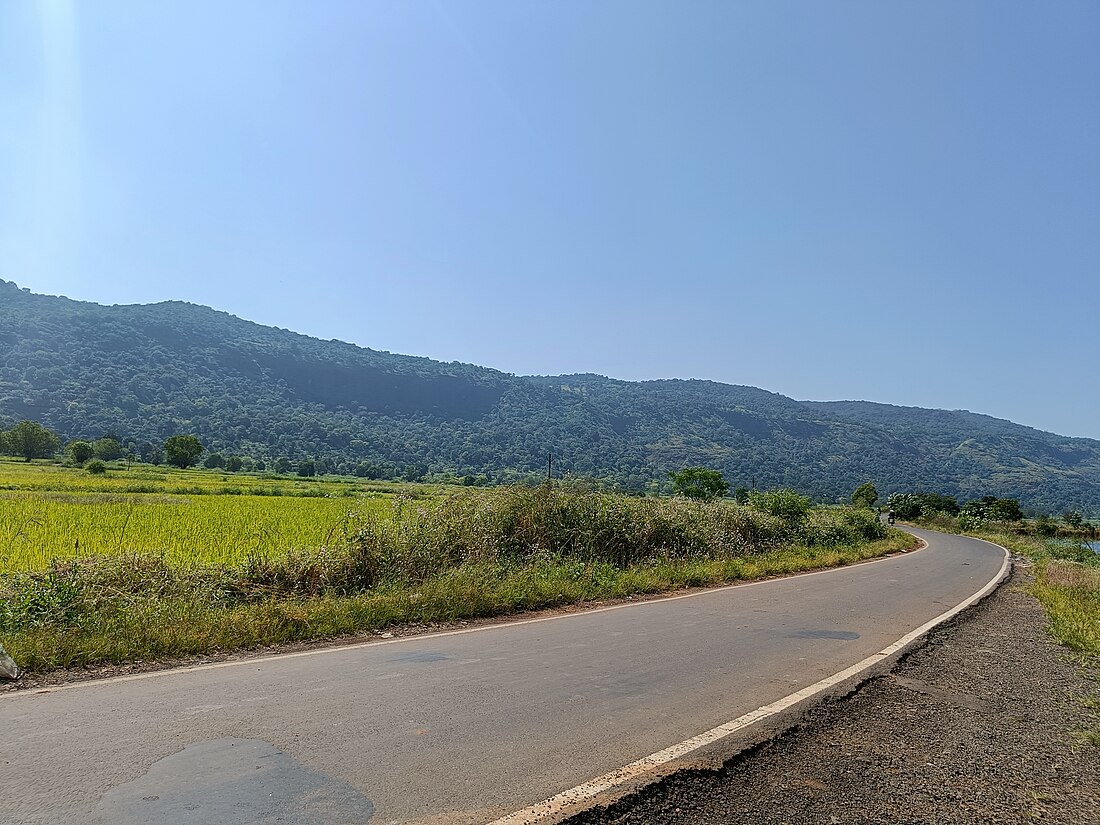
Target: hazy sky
point(897, 202)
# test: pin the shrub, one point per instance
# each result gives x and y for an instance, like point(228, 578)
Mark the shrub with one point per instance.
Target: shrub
point(865, 495)
point(96, 467)
point(784, 503)
point(905, 505)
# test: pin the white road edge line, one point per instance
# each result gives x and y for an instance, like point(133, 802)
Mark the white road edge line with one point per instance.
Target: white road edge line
point(557, 804)
point(276, 657)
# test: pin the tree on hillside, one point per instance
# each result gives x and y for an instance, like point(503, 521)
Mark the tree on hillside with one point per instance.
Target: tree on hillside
point(234, 463)
point(30, 439)
point(865, 495)
point(80, 452)
point(214, 461)
point(699, 482)
point(182, 450)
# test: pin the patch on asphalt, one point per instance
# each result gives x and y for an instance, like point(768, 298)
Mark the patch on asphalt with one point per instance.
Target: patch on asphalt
point(419, 656)
point(846, 635)
point(233, 782)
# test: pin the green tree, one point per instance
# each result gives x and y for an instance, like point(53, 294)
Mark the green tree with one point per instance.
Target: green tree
point(234, 463)
point(150, 453)
point(214, 461)
point(182, 450)
point(741, 495)
point(96, 467)
point(865, 495)
point(307, 468)
point(699, 482)
point(1006, 509)
point(107, 448)
point(938, 503)
point(1073, 518)
point(30, 439)
point(784, 503)
point(905, 505)
point(80, 452)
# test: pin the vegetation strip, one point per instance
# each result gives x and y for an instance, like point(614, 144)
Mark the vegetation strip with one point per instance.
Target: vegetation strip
point(460, 555)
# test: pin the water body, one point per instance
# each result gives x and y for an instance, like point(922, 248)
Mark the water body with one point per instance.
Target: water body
point(1094, 546)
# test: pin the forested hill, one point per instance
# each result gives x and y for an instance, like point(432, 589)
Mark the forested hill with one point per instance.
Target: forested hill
point(143, 373)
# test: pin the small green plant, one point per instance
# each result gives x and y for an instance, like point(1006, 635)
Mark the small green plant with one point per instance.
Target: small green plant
point(96, 467)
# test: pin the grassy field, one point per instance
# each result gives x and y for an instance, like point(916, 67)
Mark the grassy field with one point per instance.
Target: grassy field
point(49, 512)
point(149, 563)
point(39, 476)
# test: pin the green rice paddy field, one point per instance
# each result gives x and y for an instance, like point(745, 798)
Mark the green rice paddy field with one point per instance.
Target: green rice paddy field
point(53, 512)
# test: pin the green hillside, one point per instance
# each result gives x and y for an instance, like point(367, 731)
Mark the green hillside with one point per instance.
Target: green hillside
point(143, 373)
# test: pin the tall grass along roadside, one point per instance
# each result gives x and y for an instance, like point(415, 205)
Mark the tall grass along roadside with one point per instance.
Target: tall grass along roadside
point(464, 555)
point(1067, 578)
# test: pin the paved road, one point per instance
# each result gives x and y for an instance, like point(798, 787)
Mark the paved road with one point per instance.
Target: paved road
point(457, 728)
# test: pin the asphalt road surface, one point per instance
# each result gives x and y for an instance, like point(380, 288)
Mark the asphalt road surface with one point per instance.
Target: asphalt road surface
point(463, 727)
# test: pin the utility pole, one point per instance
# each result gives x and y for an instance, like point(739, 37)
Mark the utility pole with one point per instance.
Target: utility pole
point(549, 466)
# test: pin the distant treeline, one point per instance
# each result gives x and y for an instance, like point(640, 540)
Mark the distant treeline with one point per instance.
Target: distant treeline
point(979, 511)
point(142, 374)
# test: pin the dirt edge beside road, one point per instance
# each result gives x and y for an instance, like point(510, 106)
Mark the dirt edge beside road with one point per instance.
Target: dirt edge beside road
point(974, 726)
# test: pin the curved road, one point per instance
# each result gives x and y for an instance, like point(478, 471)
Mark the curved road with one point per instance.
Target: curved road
point(461, 727)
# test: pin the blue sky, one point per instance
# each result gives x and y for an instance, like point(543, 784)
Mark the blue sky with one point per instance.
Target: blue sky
point(846, 200)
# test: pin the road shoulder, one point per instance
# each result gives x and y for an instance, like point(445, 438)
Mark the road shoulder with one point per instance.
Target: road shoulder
point(975, 726)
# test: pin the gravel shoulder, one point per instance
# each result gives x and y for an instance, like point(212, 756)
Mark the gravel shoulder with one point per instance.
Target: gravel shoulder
point(978, 725)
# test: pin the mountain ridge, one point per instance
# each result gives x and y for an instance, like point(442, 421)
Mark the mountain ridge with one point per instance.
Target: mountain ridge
point(146, 371)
